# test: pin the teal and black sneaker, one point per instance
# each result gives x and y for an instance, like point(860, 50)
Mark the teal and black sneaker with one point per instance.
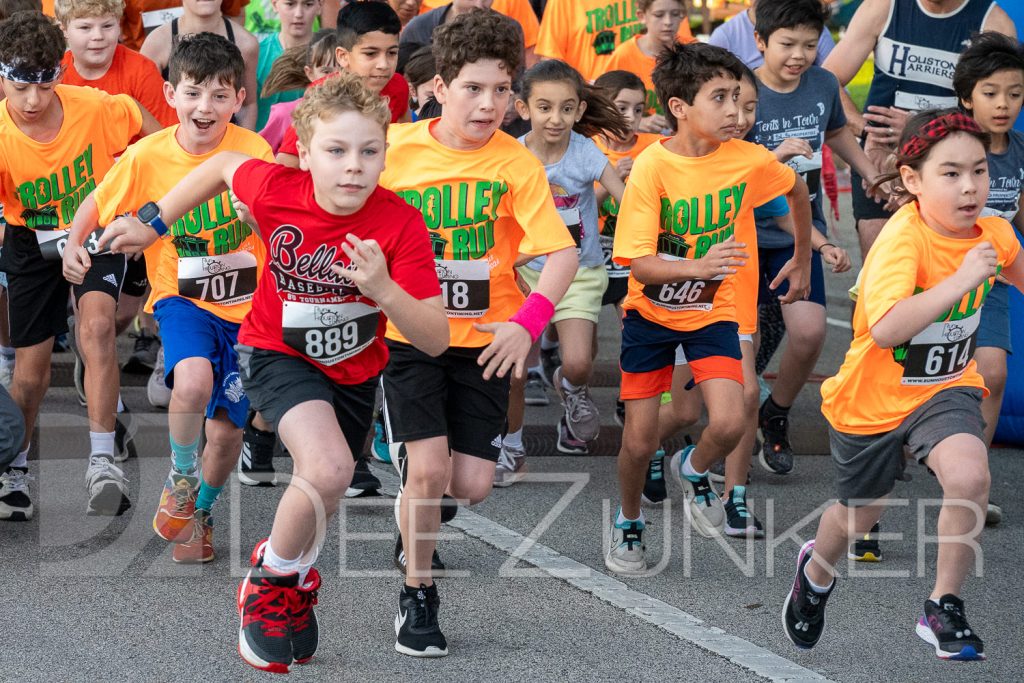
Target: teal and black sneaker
point(655, 492)
point(380, 444)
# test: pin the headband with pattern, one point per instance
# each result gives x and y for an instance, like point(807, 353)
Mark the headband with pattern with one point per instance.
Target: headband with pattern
point(936, 130)
point(18, 73)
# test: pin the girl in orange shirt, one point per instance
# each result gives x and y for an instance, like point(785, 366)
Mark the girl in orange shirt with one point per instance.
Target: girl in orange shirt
point(909, 381)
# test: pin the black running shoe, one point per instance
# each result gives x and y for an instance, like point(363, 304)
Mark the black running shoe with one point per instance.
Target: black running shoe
point(265, 601)
point(143, 358)
point(305, 628)
point(993, 514)
point(776, 455)
point(866, 549)
point(124, 436)
point(655, 492)
point(364, 483)
point(416, 629)
point(945, 628)
point(803, 613)
point(550, 360)
point(256, 461)
point(436, 565)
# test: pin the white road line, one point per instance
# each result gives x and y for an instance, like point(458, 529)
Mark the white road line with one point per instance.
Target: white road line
point(669, 618)
point(835, 322)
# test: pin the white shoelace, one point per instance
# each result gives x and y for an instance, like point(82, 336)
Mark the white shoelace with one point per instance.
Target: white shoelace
point(15, 480)
point(578, 404)
point(101, 469)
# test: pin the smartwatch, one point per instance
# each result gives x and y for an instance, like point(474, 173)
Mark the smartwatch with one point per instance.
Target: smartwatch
point(150, 215)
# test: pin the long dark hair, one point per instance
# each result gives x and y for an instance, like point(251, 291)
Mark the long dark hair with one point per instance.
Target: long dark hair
point(600, 116)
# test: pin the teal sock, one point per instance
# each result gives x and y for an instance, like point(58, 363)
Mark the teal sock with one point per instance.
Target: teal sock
point(184, 456)
point(207, 495)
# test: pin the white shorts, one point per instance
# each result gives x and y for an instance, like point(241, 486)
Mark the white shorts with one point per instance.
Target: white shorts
point(681, 357)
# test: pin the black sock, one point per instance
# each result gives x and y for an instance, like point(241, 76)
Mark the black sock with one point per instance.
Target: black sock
point(770, 409)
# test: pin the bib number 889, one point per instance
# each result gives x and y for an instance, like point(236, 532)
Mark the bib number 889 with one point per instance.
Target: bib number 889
point(332, 341)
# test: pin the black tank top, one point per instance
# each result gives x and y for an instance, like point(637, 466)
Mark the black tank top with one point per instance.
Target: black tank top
point(166, 71)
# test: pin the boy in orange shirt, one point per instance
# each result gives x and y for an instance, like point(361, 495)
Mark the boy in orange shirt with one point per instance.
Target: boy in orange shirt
point(202, 281)
point(584, 33)
point(639, 54)
point(909, 382)
point(686, 200)
point(487, 205)
point(56, 142)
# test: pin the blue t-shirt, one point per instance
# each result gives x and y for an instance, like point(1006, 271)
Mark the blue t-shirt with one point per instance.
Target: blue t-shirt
point(737, 36)
point(775, 208)
point(572, 181)
point(1005, 174)
point(808, 112)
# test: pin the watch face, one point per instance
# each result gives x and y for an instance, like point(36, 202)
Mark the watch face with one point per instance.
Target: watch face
point(148, 212)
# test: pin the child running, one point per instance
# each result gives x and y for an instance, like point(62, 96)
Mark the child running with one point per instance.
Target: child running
point(203, 279)
point(56, 142)
point(487, 204)
point(343, 255)
point(909, 381)
point(564, 113)
point(687, 198)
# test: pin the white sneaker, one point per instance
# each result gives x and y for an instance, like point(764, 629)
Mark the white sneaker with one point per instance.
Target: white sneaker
point(626, 551)
point(704, 508)
point(108, 489)
point(511, 466)
point(7, 373)
point(15, 504)
point(157, 391)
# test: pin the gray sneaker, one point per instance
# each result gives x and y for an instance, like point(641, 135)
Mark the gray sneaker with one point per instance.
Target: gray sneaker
point(79, 372)
point(108, 489)
point(511, 466)
point(143, 358)
point(157, 391)
point(626, 553)
point(581, 415)
point(704, 508)
point(536, 390)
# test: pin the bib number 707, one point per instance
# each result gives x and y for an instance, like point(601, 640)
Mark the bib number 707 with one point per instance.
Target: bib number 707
point(218, 287)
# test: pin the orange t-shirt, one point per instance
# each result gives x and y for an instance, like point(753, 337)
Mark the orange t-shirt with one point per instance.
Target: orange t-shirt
point(876, 388)
point(584, 33)
point(677, 208)
point(520, 10)
point(629, 57)
point(42, 184)
point(214, 259)
point(482, 208)
point(129, 74)
point(609, 207)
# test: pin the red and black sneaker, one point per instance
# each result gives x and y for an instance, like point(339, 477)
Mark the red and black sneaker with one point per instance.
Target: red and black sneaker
point(305, 629)
point(265, 602)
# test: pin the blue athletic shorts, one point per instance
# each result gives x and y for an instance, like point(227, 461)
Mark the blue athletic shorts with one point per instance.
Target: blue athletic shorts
point(188, 331)
point(994, 326)
point(771, 262)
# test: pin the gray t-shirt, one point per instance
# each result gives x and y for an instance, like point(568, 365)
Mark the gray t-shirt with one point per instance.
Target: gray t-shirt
point(572, 181)
point(1005, 173)
point(737, 36)
point(806, 113)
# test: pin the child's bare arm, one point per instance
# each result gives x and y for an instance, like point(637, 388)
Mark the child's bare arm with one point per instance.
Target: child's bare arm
point(285, 159)
point(250, 49)
point(149, 123)
point(612, 183)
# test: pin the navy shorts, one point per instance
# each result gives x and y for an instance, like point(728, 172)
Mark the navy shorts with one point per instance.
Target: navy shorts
point(994, 326)
point(771, 262)
point(648, 355)
point(192, 332)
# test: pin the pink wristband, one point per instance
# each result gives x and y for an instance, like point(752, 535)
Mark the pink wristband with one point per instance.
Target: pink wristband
point(534, 314)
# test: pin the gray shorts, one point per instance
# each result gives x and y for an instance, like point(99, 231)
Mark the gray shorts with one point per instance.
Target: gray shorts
point(868, 466)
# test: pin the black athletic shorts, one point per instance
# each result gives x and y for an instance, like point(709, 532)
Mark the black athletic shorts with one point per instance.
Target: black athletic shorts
point(864, 207)
point(426, 397)
point(37, 291)
point(135, 279)
point(616, 291)
point(276, 382)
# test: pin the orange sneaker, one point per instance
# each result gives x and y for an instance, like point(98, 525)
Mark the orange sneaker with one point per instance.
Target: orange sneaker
point(199, 548)
point(173, 519)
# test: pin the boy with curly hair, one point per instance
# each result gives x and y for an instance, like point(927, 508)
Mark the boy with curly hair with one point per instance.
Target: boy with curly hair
point(56, 142)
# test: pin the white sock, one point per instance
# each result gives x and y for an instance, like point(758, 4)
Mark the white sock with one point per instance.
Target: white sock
point(6, 352)
point(514, 439)
point(569, 386)
point(101, 443)
point(120, 405)
point(688, 467)
point(620, 520)
point(538, 368)
point(21, 459)
point(273, 561)
point(934, 601)
point(306, 563)
point(815, 587)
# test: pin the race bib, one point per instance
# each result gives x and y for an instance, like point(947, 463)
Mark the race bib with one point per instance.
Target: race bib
point(940, 352)
point(52, 243)
point(329, 333)
point(574, 221)
point(914, 102)
point(613, 268)
point(688, 295)
point(465, 287)
point(226, 280)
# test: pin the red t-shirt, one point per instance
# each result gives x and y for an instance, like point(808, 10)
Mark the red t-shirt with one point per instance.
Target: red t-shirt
point(301, 307)
point(129, 74)
point(397, 92)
